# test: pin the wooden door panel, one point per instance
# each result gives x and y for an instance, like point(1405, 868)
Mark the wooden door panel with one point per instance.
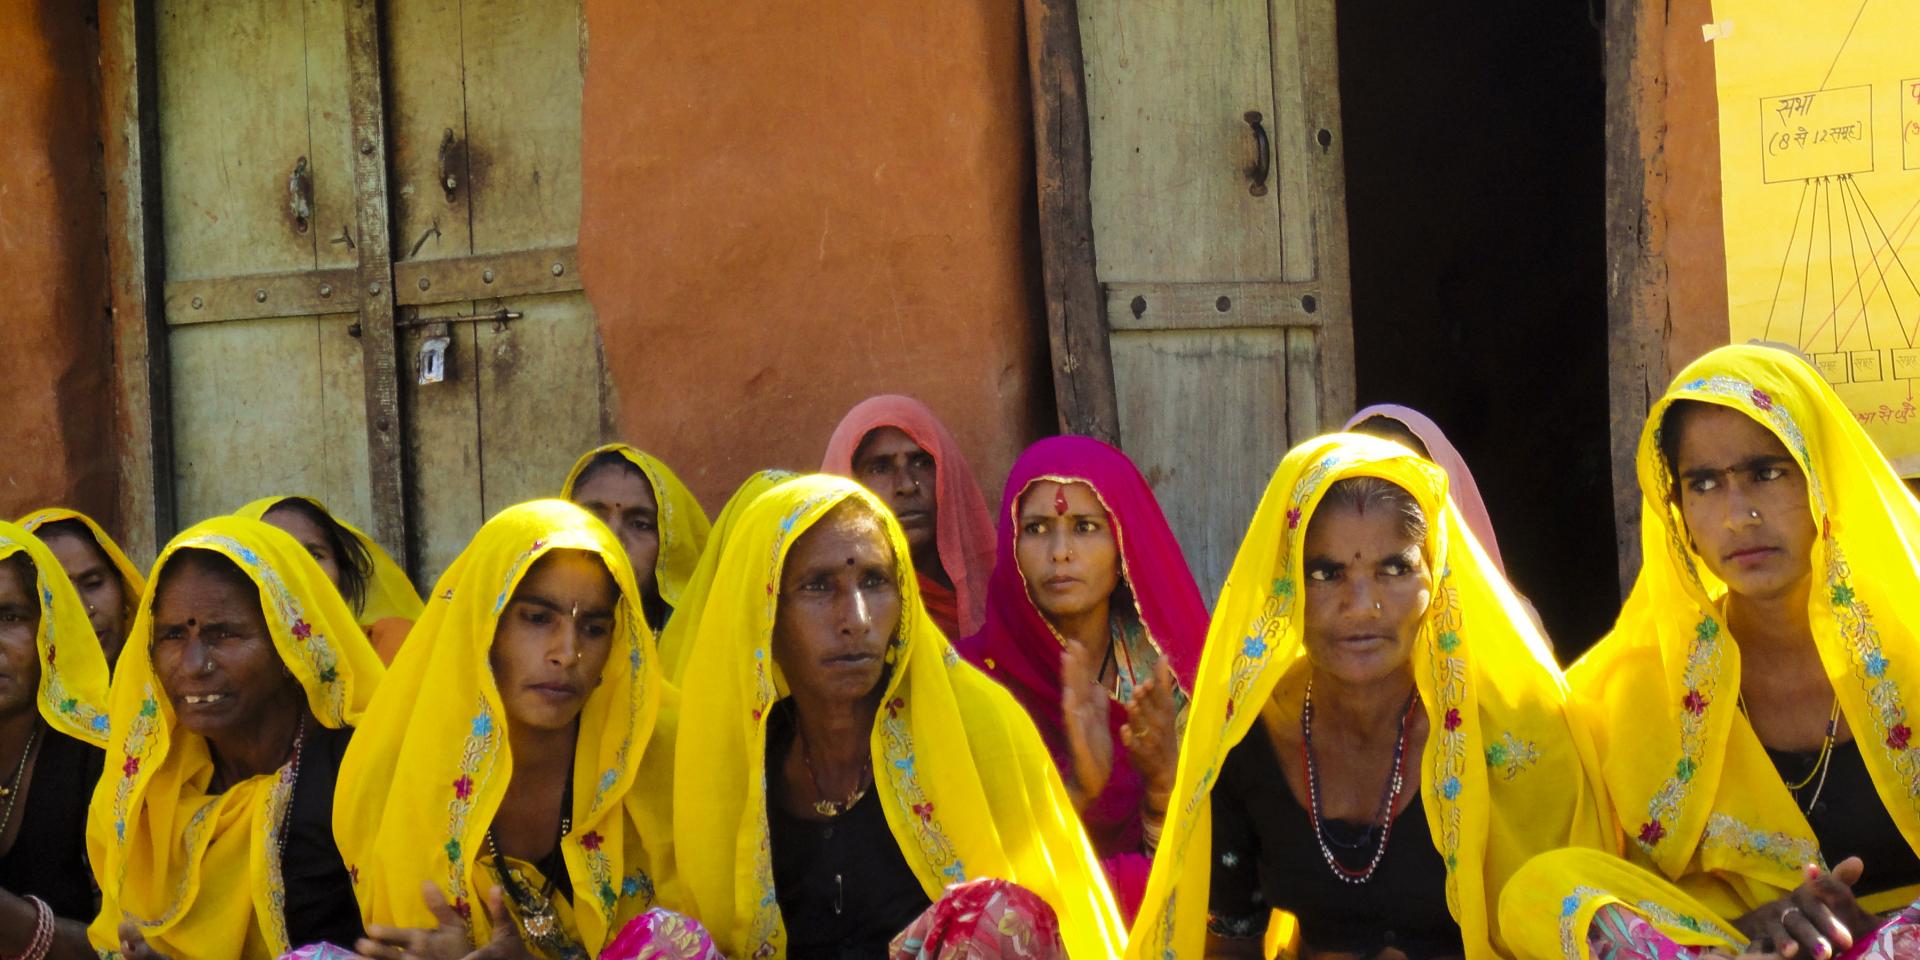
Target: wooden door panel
point(1169, 83)
point(266, 407)
point(427, 120)
point(267, 383)
point(541, 399)
point(524, 82)
point(1200, 411)
point(1224, 293)
point(443, 450)
point(234, 124)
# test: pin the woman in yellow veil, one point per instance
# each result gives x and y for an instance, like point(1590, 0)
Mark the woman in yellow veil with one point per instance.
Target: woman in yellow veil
point(1752, 704)
point(1366, 660)
point(676, 638)
point(839, 767)
point(209, 832)
point(53, 725)
point(382, 597)
point(655, 516)
point(109, 584)
point(510, 782)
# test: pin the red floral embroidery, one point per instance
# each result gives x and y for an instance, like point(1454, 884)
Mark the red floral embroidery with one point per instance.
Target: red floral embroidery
point(1694, 702)
point(590, 840)
point(50, 652)
point(924, 811)
point(301, 630)
point(1897, 737)
point(463, 908)
point(1293, 518)
point(1761, 400)
point(1652, 832)
point(1229, 709)
point(353, 873)
point(1453, 719)
point(132, 766)
point(463, 787)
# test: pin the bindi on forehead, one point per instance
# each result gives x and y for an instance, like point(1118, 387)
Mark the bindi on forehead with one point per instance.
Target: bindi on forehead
point(1060, 500)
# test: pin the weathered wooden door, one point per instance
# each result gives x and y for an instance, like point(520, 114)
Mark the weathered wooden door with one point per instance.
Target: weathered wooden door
point(369, 214)
point(1219, 230)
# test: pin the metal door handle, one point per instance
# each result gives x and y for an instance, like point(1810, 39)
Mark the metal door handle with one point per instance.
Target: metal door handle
point(1263, 155)
point(300, 195)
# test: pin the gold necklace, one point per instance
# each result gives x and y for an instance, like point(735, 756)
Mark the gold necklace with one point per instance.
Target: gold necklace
point(1820, 764)
point(833, 808)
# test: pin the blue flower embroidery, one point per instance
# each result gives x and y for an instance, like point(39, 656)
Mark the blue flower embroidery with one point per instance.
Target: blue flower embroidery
point(1450, 788)
point(482, 725)
point(1876, 665)
point(1254, 647)
point(1570, 906)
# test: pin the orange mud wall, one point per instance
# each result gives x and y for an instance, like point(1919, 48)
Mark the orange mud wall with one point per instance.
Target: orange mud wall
point(790, 207)
point(1696, 252)
point(56, 373)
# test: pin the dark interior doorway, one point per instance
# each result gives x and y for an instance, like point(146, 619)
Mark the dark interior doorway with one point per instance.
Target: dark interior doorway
point(1475, 196)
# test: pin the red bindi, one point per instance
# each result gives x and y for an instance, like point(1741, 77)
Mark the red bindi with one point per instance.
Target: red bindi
point(1060, 500)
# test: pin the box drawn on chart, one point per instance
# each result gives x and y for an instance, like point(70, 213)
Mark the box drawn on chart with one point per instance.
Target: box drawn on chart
point(1833, 366)
point(1820, 133)
point(1865, 365)
point(1910, 125)
point(1906, 364)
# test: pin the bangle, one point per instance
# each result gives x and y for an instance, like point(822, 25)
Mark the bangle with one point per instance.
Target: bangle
point(42, 931)
point(1150, 827)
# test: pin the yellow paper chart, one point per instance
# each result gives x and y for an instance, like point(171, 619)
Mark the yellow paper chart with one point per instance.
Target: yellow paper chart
point(1820, 172)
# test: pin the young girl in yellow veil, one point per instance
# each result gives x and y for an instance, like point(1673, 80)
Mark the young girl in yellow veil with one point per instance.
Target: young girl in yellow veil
point(1753, 704)
point(932, 775)
point(1359, 584)
point(509, 785)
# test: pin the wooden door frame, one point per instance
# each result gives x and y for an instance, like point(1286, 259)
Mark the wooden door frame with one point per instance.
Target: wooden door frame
point(136, 268)
point(136, 252)
point(1638, 311)
point(1077, 327)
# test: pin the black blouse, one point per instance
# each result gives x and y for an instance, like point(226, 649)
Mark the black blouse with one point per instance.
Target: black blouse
point(844, 888)
point(49, 854)
point(1266, 856)
point(320, 906)
point(1849, 819)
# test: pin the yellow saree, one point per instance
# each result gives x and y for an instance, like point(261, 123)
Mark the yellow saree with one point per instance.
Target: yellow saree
point(676, 638)
point(199, 873)
point(968, 788)
point(1699, 801)
point(1504, 772)
point(427, 771)
point(73, 671)
point(683, 523)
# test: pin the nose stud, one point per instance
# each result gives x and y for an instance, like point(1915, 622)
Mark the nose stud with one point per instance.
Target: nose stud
point(1755, 514)
point(1377, 607)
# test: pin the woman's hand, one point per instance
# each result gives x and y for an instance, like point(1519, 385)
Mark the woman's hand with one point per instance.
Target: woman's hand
point(447, 941)
point(1153, 746)
point(134, 946)
point(506, 943)
point(1083, 710)
point(1814, 922)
